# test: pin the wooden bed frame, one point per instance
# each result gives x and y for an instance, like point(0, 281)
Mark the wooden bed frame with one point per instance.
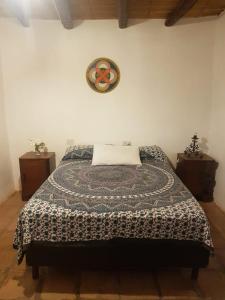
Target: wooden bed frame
point(119, 254)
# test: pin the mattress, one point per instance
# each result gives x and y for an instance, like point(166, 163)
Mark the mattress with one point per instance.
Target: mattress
point(81, 202)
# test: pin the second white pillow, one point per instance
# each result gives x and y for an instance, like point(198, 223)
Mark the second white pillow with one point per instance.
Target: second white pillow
point(115, 155)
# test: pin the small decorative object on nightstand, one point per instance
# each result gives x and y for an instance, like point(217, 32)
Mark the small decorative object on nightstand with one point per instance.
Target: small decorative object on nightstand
point(34, 170)
point(198, 174)
point(193, 149)
point(38, 146)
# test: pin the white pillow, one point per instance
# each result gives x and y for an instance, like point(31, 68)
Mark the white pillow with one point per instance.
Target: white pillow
point(115, 155)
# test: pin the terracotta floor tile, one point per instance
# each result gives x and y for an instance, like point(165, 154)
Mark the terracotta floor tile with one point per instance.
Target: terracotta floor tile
point(56, 296)
point(220, 256)
point(12, 226)
point(7, 240)
point(99, 285)
point(57, 284)
point(214, 263)
point(7, 259)
point(7, 253)
point(137, 285)
point(9, 211)
point(176, 284)
point(20, 279)
point(11, 290)
point(216, 216)
point(218, 240)
point(212, 284)
point(183, 298)
point(139, 297)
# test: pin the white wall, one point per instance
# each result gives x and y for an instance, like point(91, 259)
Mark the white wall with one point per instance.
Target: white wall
point(163, 97)
point(217, 126)
point(6, 180)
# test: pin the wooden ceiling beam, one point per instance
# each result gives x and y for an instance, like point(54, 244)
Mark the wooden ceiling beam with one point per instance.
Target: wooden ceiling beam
point(183, 7)
point(19, 9)
point(64, 11)
point(122, 13)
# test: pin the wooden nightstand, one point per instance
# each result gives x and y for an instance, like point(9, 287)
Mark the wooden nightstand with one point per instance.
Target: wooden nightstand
point(198, 174)
point(34, 170)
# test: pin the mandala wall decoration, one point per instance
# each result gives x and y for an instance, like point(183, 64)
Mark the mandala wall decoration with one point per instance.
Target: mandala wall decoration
point(103, 75)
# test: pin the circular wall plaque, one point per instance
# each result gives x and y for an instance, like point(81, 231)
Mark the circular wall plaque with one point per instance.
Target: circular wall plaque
point(103, 75)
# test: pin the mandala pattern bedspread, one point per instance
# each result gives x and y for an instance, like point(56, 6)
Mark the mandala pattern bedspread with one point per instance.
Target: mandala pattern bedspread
point(80, 202)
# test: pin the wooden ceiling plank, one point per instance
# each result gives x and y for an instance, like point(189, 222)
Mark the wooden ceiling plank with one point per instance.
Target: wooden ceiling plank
point(183, 7)
point(19, 11)
point(123, 13)
point(64, 12)
point(105, 9)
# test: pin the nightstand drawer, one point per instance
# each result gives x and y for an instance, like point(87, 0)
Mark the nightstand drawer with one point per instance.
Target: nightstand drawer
point(33, 174)
point(198, 174)
point(34, 170)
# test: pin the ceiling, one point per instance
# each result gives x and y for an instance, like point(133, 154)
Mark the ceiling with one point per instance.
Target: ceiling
point(108, 9)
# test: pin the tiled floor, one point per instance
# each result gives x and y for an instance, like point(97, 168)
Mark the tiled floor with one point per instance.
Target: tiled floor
point(66, 284)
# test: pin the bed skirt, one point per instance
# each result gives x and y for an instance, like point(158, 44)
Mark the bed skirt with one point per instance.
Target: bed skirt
point(119, 254)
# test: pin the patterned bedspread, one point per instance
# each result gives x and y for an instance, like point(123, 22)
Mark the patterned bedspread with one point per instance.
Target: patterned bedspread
point(80, 202)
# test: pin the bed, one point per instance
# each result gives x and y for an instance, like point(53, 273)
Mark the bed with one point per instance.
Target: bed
point(113, 217)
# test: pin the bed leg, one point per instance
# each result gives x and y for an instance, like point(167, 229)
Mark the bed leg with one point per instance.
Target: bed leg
point(35, 272)
point(194, 273)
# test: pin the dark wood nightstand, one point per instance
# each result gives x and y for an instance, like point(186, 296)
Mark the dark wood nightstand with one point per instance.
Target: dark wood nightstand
point(34, 170)
point(198, 174)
